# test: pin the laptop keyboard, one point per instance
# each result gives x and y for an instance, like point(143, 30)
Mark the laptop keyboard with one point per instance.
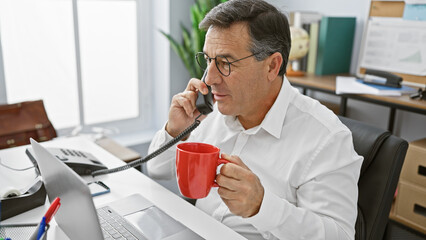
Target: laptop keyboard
point(115, 226)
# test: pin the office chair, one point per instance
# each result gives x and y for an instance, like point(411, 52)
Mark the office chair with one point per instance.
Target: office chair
point(383, 155)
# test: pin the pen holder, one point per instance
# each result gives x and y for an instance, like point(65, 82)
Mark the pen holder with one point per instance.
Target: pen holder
point(43, 236)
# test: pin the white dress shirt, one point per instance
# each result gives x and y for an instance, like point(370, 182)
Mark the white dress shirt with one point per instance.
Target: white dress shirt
point(304, 158)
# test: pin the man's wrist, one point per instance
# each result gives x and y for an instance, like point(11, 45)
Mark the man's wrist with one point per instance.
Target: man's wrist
point(256, 211)
point(167, 129)
point(174, 134)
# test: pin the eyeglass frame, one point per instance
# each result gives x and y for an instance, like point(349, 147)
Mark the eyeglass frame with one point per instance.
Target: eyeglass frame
point(228, 62)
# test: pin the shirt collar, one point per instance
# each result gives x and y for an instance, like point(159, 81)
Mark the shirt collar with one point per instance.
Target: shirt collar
point(274, 119)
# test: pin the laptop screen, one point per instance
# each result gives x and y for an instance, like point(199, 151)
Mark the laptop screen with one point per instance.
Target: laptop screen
point(77, 215)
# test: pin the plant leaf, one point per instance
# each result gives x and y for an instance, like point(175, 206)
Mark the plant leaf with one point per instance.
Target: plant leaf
point(190, 54)
point(192, 40)
point(177, 48)
point(194, 12)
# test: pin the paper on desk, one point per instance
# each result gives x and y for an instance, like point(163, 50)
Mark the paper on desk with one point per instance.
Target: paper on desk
point(395, 45)
point(345, 85)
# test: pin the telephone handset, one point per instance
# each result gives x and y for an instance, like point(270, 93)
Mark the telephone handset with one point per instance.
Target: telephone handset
point(204, 103)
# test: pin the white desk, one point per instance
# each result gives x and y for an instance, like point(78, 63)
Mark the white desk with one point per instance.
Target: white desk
point(122, 184)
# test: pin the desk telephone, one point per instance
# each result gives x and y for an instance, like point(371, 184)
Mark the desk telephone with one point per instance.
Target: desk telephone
point(83, 163)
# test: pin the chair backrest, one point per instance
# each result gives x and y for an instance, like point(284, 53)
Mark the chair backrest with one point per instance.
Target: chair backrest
point(383, 155)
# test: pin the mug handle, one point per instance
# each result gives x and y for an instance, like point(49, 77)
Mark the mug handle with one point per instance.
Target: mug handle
point(220, 161)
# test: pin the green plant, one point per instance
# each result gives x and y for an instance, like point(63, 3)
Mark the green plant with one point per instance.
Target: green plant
point(193, 39)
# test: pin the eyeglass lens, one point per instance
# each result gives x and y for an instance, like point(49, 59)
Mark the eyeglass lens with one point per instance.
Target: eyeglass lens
point(221, 62)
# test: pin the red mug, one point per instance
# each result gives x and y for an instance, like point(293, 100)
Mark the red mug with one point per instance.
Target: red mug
point(196, 165)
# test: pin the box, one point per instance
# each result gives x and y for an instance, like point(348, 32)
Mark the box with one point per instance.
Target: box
point(414, 168)
point(410, 206)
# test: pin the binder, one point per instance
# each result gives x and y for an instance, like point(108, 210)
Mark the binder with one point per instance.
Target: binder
point(313, 47)
point(335, 42)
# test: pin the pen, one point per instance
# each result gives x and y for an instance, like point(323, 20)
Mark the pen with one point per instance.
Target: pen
point(42, 228)
point(52, 209)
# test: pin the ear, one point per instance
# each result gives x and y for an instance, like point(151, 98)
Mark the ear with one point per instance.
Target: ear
point(274, 64)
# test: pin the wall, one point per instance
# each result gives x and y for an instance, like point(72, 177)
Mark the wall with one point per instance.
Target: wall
point(168, 16)
point(370, 113)
point(352, 8)
point(3, 96)
point(179, 14)
point(410, 126)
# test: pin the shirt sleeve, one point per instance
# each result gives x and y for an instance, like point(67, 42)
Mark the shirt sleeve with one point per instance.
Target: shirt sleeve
point(326, 206)
point(163, 166)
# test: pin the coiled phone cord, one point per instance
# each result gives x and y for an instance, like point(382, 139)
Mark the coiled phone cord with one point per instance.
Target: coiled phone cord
point(157, 152)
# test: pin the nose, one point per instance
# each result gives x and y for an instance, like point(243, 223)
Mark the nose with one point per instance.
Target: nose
point(214, 76)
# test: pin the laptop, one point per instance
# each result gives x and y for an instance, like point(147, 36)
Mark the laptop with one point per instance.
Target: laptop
point(133, 217)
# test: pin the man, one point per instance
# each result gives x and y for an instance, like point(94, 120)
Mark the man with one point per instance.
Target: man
point(293, 171)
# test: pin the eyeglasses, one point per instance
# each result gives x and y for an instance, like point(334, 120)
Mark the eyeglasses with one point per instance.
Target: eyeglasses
point(222, 63)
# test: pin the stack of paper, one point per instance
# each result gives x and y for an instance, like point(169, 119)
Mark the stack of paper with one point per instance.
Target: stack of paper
point(345, 85)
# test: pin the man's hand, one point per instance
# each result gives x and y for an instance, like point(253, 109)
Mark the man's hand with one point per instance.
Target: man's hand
point(182, 111)
point(239, 187)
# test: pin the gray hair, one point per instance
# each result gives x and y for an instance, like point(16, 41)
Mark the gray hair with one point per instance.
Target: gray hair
point(268, 27)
